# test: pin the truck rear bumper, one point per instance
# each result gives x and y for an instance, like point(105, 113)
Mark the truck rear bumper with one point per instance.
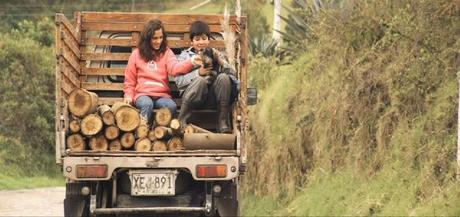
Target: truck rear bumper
point(147, 210)
point(113, 163)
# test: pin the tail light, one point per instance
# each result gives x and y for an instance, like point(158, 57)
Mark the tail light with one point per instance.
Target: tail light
point(92, 171)
point(211, 171)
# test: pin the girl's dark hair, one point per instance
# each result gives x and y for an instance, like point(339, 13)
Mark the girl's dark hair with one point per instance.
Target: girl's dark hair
point(145, 47)
point(199, 28)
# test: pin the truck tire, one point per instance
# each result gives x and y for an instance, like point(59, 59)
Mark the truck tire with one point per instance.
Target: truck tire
point(75, 204)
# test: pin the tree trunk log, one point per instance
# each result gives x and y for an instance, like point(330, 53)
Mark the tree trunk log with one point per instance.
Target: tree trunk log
point(76, 142)
point(127, 140)
point(195, 129)
point(91, 125)
point(163, 116)
point(162, 132)
point(115, 145)
point(143, 145)
point(107, 116)
point(159, 145)
point(74, 125)
point(112, 132)
point(82, 102)
point(98, 143)
point(152, 136)
point(142, 131)
point(209, 141)
point(126, 116)
point(175, 144)
point(175, 126)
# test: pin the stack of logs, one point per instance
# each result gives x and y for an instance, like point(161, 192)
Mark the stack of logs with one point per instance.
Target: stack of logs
point(120, 127)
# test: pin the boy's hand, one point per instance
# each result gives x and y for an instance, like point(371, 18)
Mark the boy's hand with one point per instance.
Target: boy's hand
point(204, 71)
point(196, 60)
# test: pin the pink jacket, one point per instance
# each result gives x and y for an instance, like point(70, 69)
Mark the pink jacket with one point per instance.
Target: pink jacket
point(151, 78)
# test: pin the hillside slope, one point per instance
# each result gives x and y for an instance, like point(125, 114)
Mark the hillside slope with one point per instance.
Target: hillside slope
point(365, 121)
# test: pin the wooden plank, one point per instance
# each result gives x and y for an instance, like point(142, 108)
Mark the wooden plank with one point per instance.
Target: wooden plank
point(112, 100)
point(109, 41)
point(102, 86)
point(144, 17)
point(68, 72)
point(137, 26)
point(133, 43)
point(135, 37)
point(112, 86)
point(105, 56)
point(70, 60)
point(108, 100)
point(220, 44)
point(60, 18)
point(103, 71)
point(66, 85)
point(70, 44)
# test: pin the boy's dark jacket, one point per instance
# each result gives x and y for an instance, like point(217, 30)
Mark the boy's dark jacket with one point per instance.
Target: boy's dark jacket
point(211, 56)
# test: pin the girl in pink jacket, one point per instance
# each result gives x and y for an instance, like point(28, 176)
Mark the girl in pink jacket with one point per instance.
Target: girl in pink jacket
point(146, 75)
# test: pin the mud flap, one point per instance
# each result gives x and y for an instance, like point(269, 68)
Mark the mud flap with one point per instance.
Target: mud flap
point(227, 203)
point(75, 204)
point(227, 207)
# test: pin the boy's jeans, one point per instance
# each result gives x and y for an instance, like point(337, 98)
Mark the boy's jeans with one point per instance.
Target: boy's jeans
point(147, 103)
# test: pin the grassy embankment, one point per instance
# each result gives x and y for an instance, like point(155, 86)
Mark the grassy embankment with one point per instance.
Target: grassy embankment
point(365, 121)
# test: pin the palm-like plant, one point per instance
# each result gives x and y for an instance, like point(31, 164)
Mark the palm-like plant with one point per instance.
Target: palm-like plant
point(298, 25)
point(265, 46)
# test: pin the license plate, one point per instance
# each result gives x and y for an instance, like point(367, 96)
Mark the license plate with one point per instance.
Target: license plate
point(153, 183)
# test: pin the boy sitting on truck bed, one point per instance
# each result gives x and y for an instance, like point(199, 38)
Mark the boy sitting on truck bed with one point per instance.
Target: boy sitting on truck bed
point(213, 84)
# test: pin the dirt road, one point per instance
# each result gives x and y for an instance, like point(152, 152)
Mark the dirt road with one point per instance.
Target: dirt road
point(32, 202)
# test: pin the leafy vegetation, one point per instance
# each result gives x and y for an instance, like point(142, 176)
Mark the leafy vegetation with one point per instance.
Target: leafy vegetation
point(363, 122)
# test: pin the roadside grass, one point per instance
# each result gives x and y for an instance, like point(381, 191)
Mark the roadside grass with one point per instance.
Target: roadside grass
point(258, 206)
point(22, 166)
point(12, 183)
point(351, 193)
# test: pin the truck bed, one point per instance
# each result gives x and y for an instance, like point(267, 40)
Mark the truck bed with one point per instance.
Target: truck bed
point(87, 60)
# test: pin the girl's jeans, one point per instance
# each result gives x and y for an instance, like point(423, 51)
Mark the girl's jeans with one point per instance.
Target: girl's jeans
point(147, 103)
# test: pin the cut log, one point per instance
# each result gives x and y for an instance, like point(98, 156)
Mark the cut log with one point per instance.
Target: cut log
point(209, 141)
point(107, 116)
point(82, 102)
point(143, 145)
point(112, 132)
point(98, 143)
point(115, 145)
point(175, 144)
point(76, 142)
point(127, 140)
point(91, 125)
point(162, 132)
point(126, 116)
point(142, 131)
point(151, 135)
point(159, 145)
point(175, 126)
point(195, 129)
point(74, 125)
point(163, 116)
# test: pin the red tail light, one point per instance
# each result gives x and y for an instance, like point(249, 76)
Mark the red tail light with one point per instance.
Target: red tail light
point(211, 171)
point(91, 171)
